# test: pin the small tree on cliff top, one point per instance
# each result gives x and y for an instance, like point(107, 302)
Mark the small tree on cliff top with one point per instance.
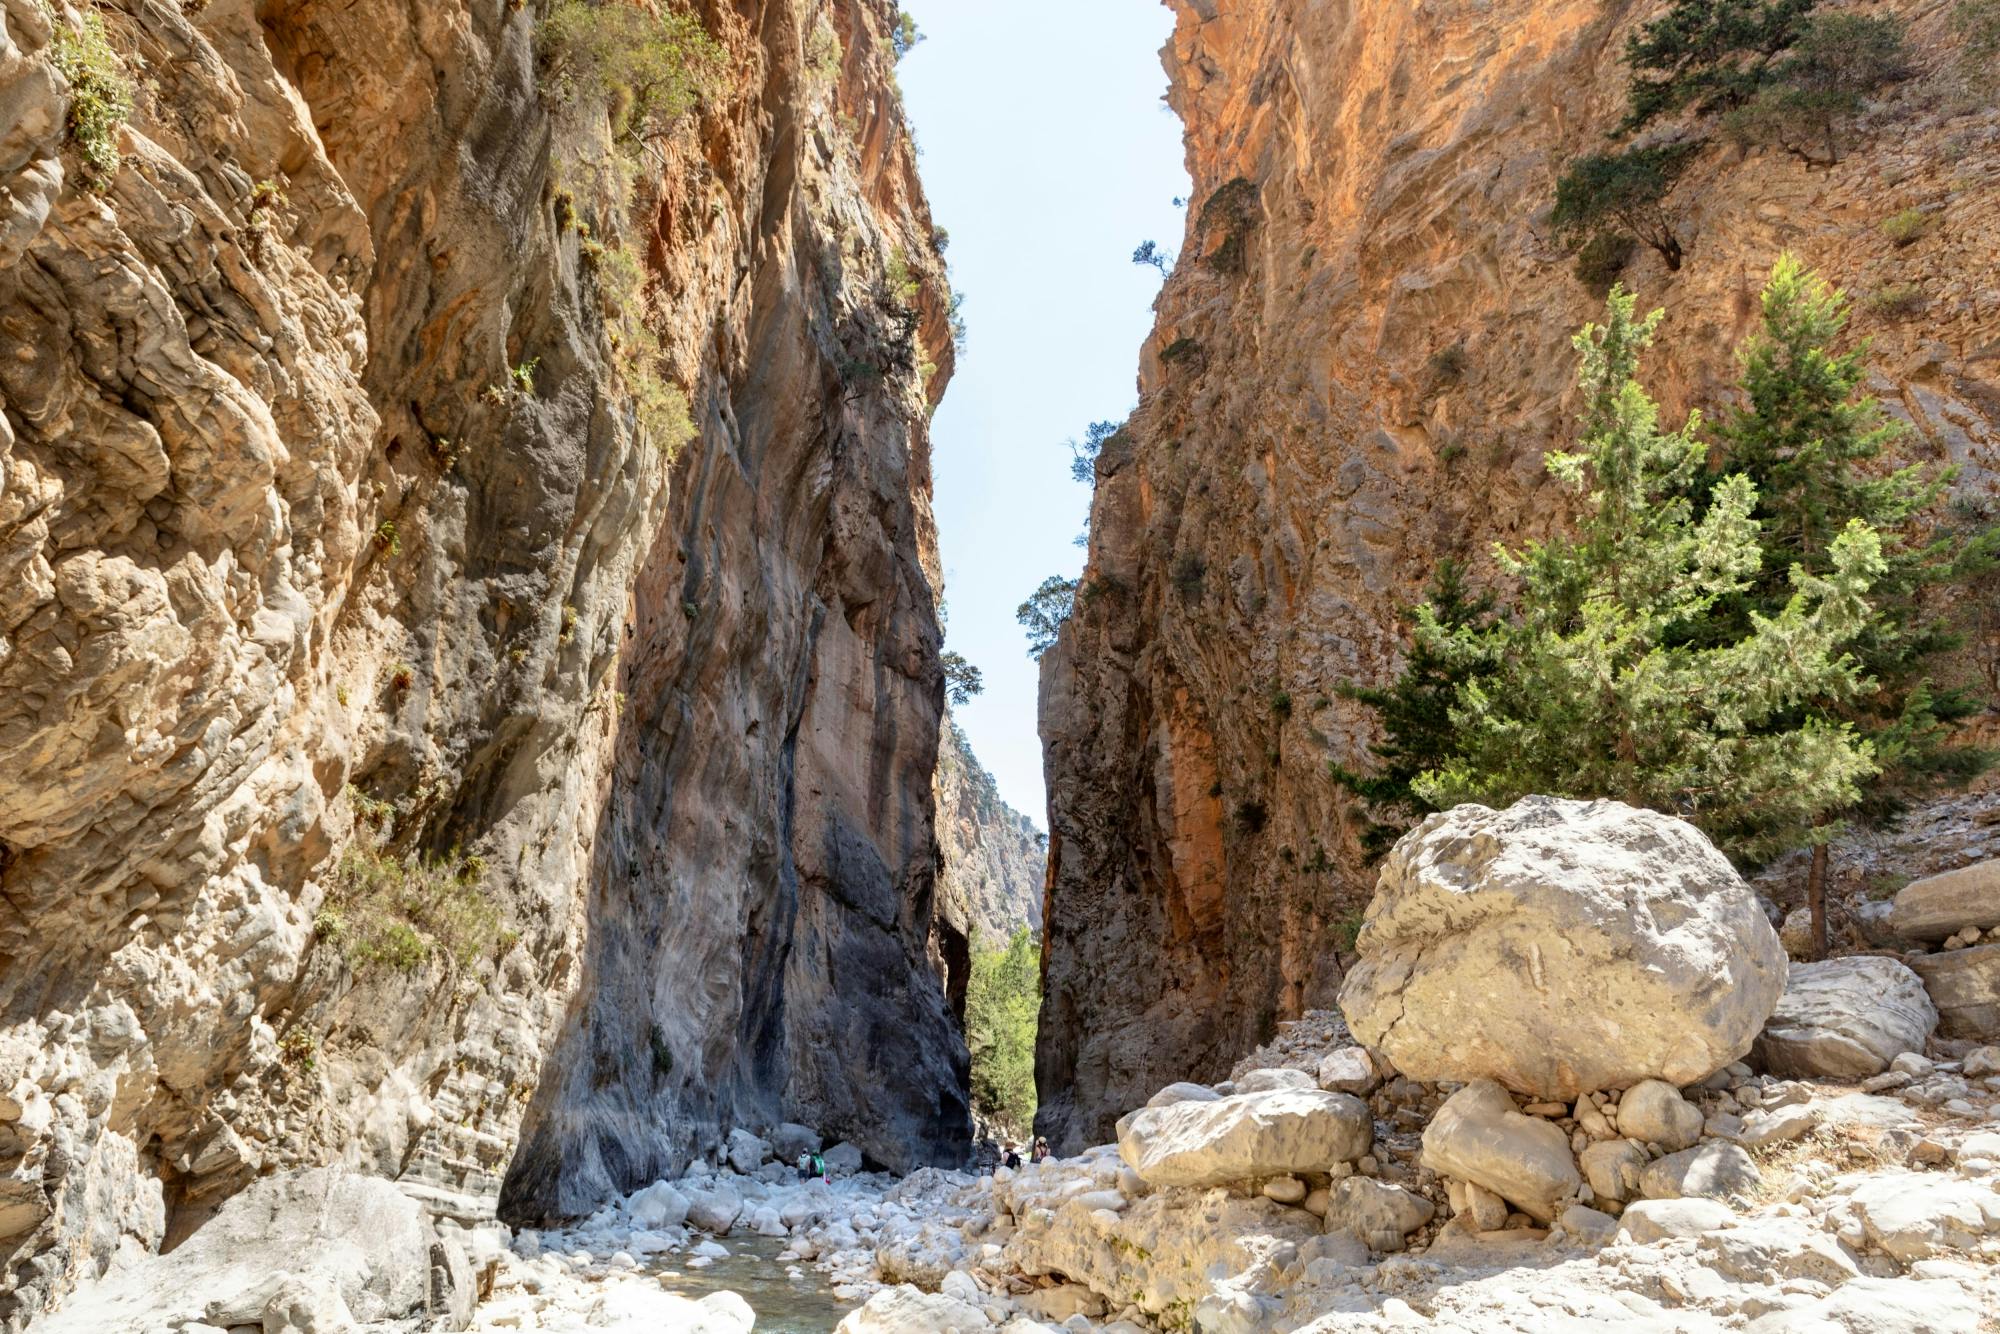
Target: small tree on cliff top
point(1597, 688)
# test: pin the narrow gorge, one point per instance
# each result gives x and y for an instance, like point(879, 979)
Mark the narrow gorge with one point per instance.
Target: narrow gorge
point(489, 837)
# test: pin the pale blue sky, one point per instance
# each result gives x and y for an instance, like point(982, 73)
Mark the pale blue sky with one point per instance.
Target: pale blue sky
point(1048, 156)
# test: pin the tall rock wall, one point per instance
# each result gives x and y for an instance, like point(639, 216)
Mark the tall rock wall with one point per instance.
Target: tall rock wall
point(405, 761)
point(1355, 368)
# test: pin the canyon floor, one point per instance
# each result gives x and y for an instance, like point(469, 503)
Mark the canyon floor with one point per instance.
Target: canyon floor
point(1881, 1215)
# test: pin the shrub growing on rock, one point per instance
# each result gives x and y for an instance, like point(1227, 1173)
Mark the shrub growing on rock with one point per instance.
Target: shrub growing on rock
point(650, 67)
point(1816, 91)
point(100, 96)
point(1708, 54)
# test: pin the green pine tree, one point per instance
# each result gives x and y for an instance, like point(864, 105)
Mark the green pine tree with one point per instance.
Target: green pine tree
point(1811, 442)
point(1414, 714)
point(1598, 688)
point(1002, 1002)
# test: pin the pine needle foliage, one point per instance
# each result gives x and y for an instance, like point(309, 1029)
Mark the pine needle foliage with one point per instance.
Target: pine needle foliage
point(1812, 443)
point(1594, 679)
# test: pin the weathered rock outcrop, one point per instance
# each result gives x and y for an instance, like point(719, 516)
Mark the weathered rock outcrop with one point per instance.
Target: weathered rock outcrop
point(1561, 947)
point(994, 856)
point(1355, 368)
point(403, 754)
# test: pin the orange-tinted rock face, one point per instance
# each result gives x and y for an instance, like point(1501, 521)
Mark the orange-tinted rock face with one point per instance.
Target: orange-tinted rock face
point(1371, 191)
point(324, 526)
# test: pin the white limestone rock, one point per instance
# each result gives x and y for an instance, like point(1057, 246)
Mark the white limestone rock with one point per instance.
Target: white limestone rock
point(1479, 1136)
point(1245, 1136)
point(1559, 947)
point(1846, 1018)
point(1941, 906)
point(1654, 1112)
point(1713, 1170)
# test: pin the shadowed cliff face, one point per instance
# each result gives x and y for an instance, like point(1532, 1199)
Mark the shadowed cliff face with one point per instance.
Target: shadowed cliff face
point(1371, 192)
point(325, 527)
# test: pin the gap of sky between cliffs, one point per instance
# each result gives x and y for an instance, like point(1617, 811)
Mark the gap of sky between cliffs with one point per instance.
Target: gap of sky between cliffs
point(1048, 156)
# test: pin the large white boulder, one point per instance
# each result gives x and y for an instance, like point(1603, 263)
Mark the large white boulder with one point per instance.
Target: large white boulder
point(1479, 1136)
point(1846, 1019)
point(1274, 1133)
point(1560, 947)
point(658, 1206)
point(298, 1250)
point(715, 1210)
point(747, 1151)
point(1939, 906)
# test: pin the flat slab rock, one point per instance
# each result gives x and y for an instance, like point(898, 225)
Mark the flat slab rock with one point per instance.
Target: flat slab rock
point(1246, 1135)
point(1939, 906)
point(1846, 1019)
point(1478, 1135)
point(1561, 947)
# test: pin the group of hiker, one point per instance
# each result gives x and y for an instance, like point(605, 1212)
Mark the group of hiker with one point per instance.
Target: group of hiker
point(1011, 1153)
point(812, 1163)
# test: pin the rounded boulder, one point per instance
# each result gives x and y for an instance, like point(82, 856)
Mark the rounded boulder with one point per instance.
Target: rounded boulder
point(1559, 947)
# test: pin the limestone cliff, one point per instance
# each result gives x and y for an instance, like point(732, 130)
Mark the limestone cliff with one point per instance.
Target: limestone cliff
point(990, 882)
point(405, 760)
point(1355, 369)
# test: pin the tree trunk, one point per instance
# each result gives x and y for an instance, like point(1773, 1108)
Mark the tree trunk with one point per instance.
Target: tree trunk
point(1816, 899)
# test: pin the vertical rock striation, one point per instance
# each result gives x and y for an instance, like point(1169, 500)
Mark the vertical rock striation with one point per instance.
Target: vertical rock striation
point(1355, 368)
point(329, 546)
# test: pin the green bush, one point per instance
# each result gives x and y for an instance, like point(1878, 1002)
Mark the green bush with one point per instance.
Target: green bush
point(1811, 96)
point(1002, 1003)
point(100, 96)
point(1977, 25)
point(1601, 260)
point(395, 911)
point(1906, 227)
point(1711, 55)
point(649, 68)
point(1898, 300)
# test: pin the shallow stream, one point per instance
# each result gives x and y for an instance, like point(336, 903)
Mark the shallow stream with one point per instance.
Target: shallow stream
point(784, 1305)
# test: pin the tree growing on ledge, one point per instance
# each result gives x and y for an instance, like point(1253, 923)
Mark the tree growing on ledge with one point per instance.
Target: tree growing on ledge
point(1708, 54)
point(1043, 614)
point(1623, 193)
